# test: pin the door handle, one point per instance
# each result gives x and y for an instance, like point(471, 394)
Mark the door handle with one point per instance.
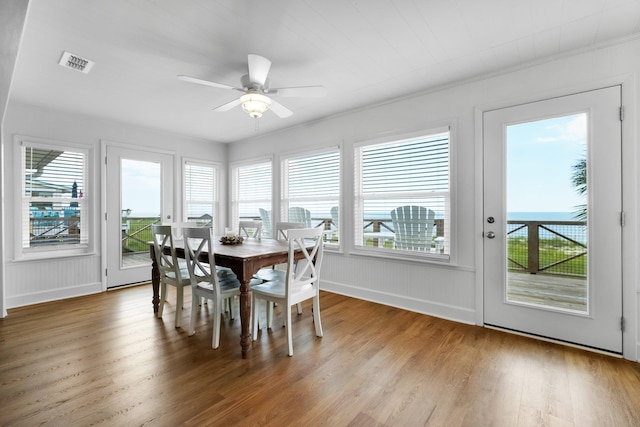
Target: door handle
point(491, 234)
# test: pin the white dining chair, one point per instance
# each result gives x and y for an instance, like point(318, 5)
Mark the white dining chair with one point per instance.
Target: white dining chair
point(197, 242)
point(171, 272)
point(265, 215)
point(176, 228)
point(300, 283)
point(277, 272)
point(250, 229)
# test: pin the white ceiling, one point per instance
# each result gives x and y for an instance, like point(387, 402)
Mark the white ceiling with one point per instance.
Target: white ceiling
point(363, 51)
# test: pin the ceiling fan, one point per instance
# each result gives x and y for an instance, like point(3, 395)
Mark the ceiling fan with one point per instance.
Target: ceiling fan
point(256, 98)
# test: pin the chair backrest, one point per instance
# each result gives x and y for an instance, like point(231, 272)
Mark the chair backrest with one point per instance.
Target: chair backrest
point(167, 262)
point(283, 227)
point(297, 214)
point(252, 228)
point(413, 226)
point(197, 242)
point(335, 217)
point(265, 215)
point(176, 228)
point(304, 275)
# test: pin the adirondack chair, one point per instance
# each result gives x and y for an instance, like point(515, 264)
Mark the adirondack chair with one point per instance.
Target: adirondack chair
point(303, 215)
point(413, 226)
point(265, 215)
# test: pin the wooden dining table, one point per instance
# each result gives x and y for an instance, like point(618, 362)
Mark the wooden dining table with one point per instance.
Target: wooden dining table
point(245, 260)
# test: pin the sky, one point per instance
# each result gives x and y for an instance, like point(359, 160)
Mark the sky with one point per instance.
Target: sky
point(141, 187)
point(540, 157)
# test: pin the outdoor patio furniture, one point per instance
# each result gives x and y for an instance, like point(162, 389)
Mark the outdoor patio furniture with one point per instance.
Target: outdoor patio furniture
point(413, 226)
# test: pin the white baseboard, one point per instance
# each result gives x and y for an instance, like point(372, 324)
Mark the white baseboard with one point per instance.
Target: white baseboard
point(456, 314)
point(53, 295)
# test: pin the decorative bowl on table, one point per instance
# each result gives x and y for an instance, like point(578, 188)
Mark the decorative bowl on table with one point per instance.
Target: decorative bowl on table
point(231, 239)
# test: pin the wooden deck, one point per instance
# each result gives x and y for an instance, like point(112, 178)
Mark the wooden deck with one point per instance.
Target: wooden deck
point(134, 259)
point(548, 290)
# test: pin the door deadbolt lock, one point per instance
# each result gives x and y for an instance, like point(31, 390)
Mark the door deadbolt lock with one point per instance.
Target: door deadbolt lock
point(491, 235)
point(491, 220)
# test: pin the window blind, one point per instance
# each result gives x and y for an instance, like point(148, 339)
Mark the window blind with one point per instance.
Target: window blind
point(252, 192)
point(410, 172)
point(200, 193)
point(54, 201)
point(312, 182)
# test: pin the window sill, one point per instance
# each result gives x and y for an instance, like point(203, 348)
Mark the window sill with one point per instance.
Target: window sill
point(405, 256)
point(46, 255)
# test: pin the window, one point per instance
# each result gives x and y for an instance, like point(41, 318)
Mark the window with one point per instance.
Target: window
point(54, 201)
point(397, 174)
point(311, 191)
point(200, 195)
point(251, 194)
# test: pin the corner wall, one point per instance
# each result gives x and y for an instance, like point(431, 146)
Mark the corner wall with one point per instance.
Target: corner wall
point(34, 281)
point(12, 18)
point(455, 291)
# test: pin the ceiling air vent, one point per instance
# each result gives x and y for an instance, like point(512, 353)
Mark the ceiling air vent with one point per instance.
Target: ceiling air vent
point(76, 62)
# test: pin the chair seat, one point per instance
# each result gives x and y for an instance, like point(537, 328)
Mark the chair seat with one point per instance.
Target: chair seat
point(276, 290)
point(184, 274)
point(224, 271)
point(225, 285)
point(270, 274)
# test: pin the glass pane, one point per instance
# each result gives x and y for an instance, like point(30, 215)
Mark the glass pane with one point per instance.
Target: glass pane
point(54, 185)
point(312, 190)
point(140, 193)
point(547, 213)
point(200, 186)
point(252, 194)
point(403, 191)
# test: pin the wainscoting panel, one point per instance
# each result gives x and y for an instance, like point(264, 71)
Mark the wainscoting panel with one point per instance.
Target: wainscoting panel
point(445, 292)
point(32, 282)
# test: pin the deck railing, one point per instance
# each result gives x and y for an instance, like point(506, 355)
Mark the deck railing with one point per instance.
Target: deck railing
point(136, 233)
point(53, 230)
point(554, 247)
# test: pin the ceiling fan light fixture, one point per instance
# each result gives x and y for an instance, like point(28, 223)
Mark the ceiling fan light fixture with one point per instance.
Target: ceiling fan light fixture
point(255, 104)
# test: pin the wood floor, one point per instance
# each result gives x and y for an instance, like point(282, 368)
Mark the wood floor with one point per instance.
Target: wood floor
point(106, 360)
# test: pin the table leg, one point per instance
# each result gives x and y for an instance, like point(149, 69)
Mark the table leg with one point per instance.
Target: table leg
point(245, 318)
point(155, 281)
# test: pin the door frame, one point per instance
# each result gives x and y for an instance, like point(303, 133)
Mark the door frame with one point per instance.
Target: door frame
point(104, 144)
point(630, 200)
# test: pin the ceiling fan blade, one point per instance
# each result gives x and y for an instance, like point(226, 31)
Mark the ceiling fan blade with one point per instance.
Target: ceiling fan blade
point(207, 83)
point(280, 110)
point(259, 67)
point(228, 106)
point(301, 91)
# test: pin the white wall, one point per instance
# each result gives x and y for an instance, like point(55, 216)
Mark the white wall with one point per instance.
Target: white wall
point(12, 17)
point(455, 291)
point(29, 282)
